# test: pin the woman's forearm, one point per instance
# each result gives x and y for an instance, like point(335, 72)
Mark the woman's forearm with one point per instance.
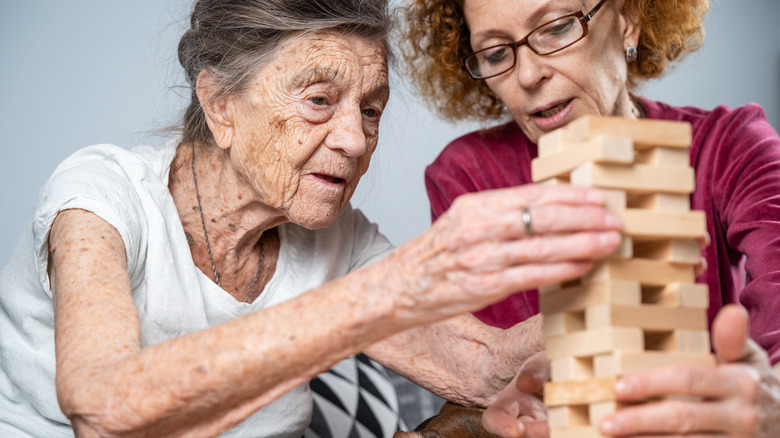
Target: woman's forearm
point(461, 359)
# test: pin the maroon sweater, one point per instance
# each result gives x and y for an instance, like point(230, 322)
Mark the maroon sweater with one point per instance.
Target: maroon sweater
point(736, 157)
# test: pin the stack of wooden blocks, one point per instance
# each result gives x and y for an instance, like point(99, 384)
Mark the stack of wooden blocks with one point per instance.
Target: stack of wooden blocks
point(640, 307)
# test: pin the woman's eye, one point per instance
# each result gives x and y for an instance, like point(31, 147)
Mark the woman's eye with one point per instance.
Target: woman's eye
point(496, 56)
point(319, 100)
point(370, 112)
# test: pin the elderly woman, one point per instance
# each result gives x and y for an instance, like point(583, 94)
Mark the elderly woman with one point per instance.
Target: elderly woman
point(546, 63)
point(194, 289)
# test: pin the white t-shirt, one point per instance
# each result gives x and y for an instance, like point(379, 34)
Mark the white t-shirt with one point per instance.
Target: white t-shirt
point(129, 189)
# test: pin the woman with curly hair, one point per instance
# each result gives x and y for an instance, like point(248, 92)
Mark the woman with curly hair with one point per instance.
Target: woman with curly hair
point(545, 63)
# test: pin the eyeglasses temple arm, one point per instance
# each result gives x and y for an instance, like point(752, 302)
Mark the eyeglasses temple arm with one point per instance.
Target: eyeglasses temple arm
point(595, 9)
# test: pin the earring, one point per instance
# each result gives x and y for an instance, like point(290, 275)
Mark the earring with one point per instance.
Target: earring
point(631, 54)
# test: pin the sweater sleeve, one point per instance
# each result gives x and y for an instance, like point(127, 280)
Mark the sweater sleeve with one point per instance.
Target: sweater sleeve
point(746, 173)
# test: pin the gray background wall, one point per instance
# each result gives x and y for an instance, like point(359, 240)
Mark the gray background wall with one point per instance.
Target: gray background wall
point(82, 72)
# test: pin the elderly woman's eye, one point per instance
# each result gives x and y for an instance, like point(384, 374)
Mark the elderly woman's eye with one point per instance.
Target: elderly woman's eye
point(370, 112)
point(319, 100)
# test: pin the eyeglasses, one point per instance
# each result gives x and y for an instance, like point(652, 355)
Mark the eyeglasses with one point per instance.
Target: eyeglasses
point(546, 39)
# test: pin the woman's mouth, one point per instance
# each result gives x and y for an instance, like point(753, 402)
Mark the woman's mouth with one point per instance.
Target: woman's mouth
point(554, 116)
point(549, 112)
point(329, 178)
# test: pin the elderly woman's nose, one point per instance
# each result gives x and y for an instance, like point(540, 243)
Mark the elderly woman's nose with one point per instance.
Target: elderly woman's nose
point(346, 133)
point(530, 68)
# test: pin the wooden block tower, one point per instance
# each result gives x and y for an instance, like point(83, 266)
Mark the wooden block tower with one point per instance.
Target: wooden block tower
point(640, 307)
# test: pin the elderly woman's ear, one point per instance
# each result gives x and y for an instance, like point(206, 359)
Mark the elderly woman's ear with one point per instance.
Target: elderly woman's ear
point(215, 108)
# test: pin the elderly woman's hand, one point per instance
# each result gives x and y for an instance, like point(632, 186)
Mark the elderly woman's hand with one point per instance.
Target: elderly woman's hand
point(482, 248)
point(740, 397)
point(519, 410)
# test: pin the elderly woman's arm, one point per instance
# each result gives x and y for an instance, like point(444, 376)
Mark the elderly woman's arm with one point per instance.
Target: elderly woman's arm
point(461, 359)
point(205, 382)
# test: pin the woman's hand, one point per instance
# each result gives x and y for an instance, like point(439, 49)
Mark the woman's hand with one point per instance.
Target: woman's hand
point(479, 251)
point(519, 410)
point(740, 397)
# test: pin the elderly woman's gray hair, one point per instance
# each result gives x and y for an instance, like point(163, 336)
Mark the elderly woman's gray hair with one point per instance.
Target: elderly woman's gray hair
point(233, 38)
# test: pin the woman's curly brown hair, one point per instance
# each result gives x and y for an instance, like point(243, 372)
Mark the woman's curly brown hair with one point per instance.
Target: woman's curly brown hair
point(435, 37)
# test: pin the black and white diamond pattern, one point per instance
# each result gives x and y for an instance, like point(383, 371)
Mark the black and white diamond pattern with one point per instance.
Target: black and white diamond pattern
point(355, 399)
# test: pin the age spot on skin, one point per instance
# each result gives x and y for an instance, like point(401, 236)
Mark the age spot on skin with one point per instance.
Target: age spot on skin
point(232, 227)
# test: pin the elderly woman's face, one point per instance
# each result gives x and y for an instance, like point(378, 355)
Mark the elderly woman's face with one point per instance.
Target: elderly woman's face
point(305, 129)
point(546, 92)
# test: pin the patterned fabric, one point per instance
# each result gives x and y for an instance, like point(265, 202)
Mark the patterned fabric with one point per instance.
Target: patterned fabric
point(354, 399)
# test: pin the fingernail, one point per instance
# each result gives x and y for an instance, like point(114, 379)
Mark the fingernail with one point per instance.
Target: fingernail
point(595, 196)
point(613, 220)
point(623, 387)
point(609, 238)
point(608, 427)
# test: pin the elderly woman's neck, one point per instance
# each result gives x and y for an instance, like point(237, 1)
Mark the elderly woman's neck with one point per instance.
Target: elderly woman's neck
point(209, 193)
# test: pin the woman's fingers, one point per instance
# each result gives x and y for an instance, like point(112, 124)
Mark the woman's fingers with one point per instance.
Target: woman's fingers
point(474, 222)
point(678, 417)
point(518, 412)
point(531, 195)
point(687, 380)
point(488, 256)
point(534, 373)
point(730, 334)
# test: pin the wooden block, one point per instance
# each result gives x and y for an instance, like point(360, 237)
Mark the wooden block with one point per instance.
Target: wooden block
point(682, 341)
point(577, 432)
point(571, 368)
point(615, 199)
point(690, 295)
point(663, 157)
point(660, 202)
point(646, 272)
point(552, 142)
point(646, 317)
point(638, 178)
point(556, 181)
point(685, 251)
point(646, 224)
point(599, 411)
point(556, 324)
point(599, 149)
point(560, 417)
point(621, 362)
point(644, 133)
point(594, 342)
point(579, 392)
point(578, 298)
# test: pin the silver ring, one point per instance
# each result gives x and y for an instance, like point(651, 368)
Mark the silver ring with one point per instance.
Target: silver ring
point(529, 230)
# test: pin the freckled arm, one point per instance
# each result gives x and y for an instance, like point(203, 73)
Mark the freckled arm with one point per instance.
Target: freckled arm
point(199, 384)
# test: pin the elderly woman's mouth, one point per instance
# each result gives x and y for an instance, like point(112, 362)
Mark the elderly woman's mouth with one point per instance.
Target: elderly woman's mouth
point(329, 178)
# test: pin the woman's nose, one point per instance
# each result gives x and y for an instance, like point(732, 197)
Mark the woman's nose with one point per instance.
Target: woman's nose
point(530, 68)
point(346, 133)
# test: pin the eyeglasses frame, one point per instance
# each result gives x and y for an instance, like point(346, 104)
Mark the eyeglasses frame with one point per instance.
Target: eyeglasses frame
point(581, 17)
